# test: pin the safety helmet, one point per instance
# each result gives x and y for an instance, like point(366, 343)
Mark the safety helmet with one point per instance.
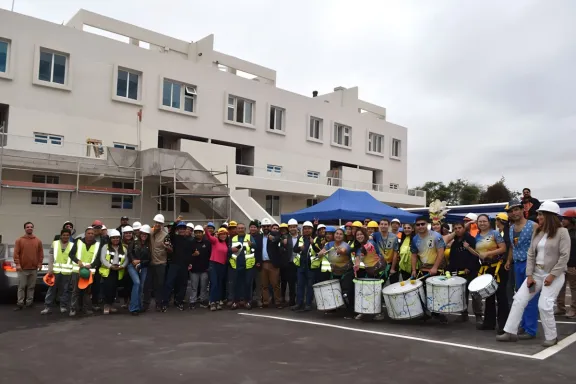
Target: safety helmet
point(222, 230)
point(145, 229)
point(348, 224)
point(239, 246)
point(49, 279)
point(571, 213)
point(137, 225)
point(266, 221)
point(549, 206)
point(513, 204)
point(471, 216)
point(198, 228)
point(103, 227)
point(357, 224)
point(330, 229)
point(211, 224)
point(292, 222)
point(180, 224)
point(284, 225)
point(190, 225)
point(307, 224)
point(68, 222)
point(127, 228)
point(372, 224)
point(97, 223)
point(114, 233)
point(395, 221)
point(502, 216)
point(232, 224)
point(159, 218)
point(320, 226)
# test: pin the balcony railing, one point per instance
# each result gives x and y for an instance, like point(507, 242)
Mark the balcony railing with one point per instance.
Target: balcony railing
point(248, 170)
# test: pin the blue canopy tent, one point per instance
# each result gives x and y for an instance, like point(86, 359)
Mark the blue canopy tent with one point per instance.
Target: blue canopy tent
point(349, 205)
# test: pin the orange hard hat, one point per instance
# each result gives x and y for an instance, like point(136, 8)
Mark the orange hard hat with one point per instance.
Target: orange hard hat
point(85, 283)
point(49, 279)
point(570, 213)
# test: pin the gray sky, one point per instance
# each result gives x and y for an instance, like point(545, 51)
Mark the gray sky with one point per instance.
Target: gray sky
point(485, 88)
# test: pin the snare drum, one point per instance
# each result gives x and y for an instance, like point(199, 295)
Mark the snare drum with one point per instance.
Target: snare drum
point(328, 295)
point(483, 286)
point(368, 296)
point(446, 294)
point(404, 302)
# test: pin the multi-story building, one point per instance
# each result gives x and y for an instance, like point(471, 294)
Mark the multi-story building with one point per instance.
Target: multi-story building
point(100, 127)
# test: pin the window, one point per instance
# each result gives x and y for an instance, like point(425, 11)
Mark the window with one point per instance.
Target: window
point(273, 205)
point(45, 197)
point(375, 143)
point(121, 201)
point(3, 56)
point(52, 67)
point(179, 96)
point(274, 169)
point(396, 146)
point(44, 138)
point(127, 84)
point(311, 202)
point(342, 135)
point(166, 199)
point(315, 129)
point(277, 119)
point(313, 174)
point(393, 186)
point(125, 146)
point(240, 110)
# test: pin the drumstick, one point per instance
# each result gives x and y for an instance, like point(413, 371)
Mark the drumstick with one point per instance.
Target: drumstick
point(413, 281)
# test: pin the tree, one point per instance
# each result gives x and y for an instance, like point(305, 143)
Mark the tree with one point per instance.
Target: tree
point(435, 190)
point(470, 194)
point(457, 192)
point(497, 193)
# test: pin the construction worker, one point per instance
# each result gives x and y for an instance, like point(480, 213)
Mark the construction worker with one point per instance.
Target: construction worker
point(232, 228)
point(157, 269)
point(28, 257)
point(268, 255)
point(59, 266)
point(348, 232)
point(126, 282)
point(243, 262)
point(70, 226)
point(100, 236)
point(199, 272)
point(210, 227)
point(138, 261)
point(372, 227)
point(395, 225)
point(218, 260)
point(84, 254)
point(288, 273)
point(307, 263)
point(114, 261)
point(256, 233)
point(136, 227)
point(324, 272)
point(123, 223)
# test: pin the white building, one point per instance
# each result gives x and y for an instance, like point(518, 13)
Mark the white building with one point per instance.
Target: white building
point(242, 147)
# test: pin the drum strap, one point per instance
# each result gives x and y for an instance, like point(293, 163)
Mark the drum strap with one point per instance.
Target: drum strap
point(484, 269)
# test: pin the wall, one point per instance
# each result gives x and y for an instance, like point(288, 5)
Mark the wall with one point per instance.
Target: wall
point(353, 177)
point(213, 157)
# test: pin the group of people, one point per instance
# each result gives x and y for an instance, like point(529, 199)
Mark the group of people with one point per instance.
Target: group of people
point(267, 264)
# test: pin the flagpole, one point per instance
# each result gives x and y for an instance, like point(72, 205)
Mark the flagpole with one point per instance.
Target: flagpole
point(12, 10)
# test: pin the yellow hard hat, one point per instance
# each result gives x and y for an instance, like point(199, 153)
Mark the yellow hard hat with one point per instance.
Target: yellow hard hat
point(372, 224)
point(502, 216)
point(284, 225)
point(357, 224)
point(222, 230)
point(232, 224)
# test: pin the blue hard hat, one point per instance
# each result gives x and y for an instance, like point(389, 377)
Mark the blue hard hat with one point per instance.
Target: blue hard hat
point(330, 229)
point(180, 224)
point(211, 224)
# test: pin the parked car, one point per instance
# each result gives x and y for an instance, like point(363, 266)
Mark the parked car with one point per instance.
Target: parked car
point(8, 274)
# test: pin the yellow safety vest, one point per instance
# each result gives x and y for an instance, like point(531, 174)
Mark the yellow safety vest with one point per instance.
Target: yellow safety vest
point(248, 253)
point(324, 264)
point(62, 262)
point(315, 262)
point(85, 256)
point(353, 255)
point(104, 272)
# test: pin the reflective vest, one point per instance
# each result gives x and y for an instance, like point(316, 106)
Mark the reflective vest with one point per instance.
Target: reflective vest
point(85, 256)
point(325, 263)
point(353, 255)
point(248, 253)
point(315, 262)
point(104, 272)
point(62, 262)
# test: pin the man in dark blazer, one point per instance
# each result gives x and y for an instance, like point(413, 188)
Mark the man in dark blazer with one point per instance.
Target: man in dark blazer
point(268, 256)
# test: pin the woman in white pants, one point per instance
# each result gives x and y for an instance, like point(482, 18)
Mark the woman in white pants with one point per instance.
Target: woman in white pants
point(545, 268)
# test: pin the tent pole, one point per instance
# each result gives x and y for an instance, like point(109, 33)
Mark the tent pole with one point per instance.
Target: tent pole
point(340, 222)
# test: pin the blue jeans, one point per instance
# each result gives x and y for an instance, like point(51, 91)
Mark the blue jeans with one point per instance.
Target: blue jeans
point(530, 316)
point(217, 275)
point(305, 282)
point(176, 280)
point(138, 280)
point(243, 282)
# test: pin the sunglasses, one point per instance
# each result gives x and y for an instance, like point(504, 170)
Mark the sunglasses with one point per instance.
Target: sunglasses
point(421, 224)
point(97, 226)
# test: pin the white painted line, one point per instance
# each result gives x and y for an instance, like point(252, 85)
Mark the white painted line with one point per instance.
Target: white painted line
point(403, 336)
point(556, 348)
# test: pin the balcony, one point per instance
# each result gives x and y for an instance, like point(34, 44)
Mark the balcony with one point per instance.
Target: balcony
point(292, 182)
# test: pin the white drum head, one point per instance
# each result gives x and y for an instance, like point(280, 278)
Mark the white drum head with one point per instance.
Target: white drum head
point(327, 282)
point(396, 288)
point(480, 282)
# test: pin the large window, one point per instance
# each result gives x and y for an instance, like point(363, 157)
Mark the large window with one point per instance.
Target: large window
point(122, 201)
point(342, 135)
point(315, 129)
point(52, 67)
point(127, 84)
point(396, 148)
point(240, 110)
point(179, 96)
point(45, 138)
point(273, 205)
point(45, 197)
point(4, 47)
point(375, 143)
point(277, 119)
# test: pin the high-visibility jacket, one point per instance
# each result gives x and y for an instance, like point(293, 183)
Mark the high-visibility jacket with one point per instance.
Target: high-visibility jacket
point(315, 262)
point(62, 262)
point(104, 272)
point(248, 252)
point(325, 263)
point(85, 256)
point(353, 255)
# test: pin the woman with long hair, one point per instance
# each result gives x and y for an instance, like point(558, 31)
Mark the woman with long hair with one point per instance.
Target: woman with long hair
point(114, 262)
point(218, 261)
point(403, 262)
point(367, 254)
point(126, 283)
point(139, 256)
point(547, 260)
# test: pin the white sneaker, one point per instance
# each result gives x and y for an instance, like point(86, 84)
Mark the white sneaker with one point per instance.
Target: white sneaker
point(46, 311)
point(63, 310)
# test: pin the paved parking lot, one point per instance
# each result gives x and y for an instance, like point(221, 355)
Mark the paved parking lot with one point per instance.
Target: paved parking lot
point(267, 346)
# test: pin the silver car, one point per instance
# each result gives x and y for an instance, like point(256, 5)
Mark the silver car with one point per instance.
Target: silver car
point(8, 274)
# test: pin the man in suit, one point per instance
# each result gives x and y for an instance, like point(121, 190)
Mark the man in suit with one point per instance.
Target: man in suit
point(268, 256)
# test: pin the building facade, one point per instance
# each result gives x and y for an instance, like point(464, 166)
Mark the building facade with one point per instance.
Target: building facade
point(100, 127)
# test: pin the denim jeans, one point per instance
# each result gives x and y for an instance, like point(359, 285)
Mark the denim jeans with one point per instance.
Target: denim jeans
point(176, 279)
point(305, 283)
point(217, 275)
point(61, 288)
point(198, 278)
point(243, 282)
point(530, 315)
point(138, 280)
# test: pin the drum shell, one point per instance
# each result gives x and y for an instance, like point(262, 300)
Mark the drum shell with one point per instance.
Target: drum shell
point(446, 296)
point(487, 291)
point(404, 303)
point(368, 296)
point(328, 295)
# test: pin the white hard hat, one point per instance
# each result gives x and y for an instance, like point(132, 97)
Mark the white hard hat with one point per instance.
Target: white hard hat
point(321, 226)
point(103, 227)
point(549, 206)
point(239, 246)
point(395, 221)
point(292, 222)
point(198, 228)
point(137, 225)
point(266, 221)
point(127, 228)
point(114, 233)
point(190, 225)
point(471, 216)
point(307, 224)
point(159, 218)
point(145, 229)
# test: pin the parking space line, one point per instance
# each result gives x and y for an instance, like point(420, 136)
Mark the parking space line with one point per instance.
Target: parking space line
point(565, 342)
point(538, 356)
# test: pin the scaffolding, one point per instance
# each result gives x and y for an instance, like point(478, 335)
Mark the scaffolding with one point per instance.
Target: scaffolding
point(200, 190)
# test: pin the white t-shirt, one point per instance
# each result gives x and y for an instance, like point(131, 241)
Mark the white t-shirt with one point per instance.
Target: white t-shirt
point(541, 250)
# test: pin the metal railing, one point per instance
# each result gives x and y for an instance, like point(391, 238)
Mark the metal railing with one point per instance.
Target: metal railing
point(274, 174)
point(55, 147)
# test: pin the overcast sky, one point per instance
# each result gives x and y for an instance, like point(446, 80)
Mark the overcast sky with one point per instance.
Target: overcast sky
point(485, 88)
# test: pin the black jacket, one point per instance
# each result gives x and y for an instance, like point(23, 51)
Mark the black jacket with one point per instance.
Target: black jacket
point(271, 247)
point(183, 247)
point(201, 262)
point(461, 258)
point(572, 260)
point(137, 251)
